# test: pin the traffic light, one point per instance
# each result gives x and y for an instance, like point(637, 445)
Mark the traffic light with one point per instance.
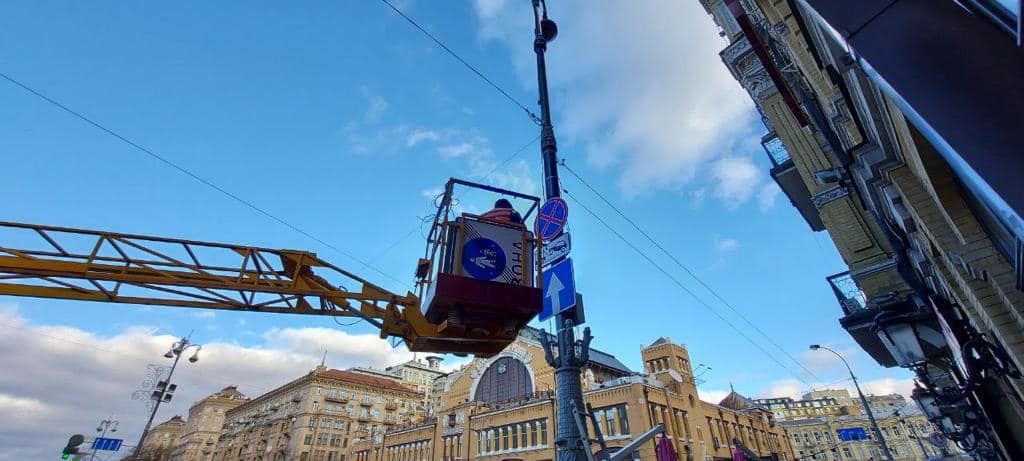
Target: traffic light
point(163, 391)
point(72, 446)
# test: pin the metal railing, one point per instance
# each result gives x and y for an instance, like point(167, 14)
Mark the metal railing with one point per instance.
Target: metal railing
point(851, 297)
point(776, 151)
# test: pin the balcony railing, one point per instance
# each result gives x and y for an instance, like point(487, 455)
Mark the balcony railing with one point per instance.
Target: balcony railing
point(366, 403)
point(777, 152)
point(850, 296)
point(336, 398)
point(786, 175)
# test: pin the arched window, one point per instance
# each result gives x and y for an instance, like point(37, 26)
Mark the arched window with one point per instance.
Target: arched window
point(506, 379)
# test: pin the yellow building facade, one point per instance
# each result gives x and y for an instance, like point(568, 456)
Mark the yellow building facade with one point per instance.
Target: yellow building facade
point(935, 256)
point(160, 440)
point(315, 417)
point(905, 434)
point(199, 437)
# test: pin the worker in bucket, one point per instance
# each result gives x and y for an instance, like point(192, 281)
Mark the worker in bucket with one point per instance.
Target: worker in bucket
point(503, 212)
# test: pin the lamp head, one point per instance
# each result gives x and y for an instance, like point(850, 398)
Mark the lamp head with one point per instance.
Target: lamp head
point(195, 355)
point(548, 29)
point(169, 354)
point(815, 347)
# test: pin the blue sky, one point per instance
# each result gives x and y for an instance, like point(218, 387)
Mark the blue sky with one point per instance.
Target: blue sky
point(342, 119)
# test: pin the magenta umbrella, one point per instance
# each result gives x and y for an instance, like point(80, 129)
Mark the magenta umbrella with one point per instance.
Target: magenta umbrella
point(666, 452)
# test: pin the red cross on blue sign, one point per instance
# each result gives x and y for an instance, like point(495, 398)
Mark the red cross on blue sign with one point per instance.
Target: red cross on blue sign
point(551, 218)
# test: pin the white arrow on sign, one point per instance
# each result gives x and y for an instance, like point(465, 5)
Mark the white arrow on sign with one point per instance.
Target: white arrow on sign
point(554, 288)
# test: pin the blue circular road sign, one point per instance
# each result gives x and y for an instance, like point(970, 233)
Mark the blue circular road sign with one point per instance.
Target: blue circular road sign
point(551, 218)
point(483, 258)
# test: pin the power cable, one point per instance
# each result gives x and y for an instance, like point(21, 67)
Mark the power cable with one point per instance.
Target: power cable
point(71, 341)
point(681, 286)
point(419, 226)
point(193, 175)
point(469, 66)
point(688, 271)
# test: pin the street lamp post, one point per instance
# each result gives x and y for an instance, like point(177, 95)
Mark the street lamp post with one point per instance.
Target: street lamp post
point(571, 444)
point(863, 401)
point(103, 427)
point(164, 388)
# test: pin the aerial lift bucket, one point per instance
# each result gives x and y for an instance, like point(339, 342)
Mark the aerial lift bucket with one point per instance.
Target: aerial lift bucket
point(479, 279)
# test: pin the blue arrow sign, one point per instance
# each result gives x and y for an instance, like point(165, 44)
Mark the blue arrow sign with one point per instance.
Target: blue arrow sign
point(105, 444)
point(559, 289)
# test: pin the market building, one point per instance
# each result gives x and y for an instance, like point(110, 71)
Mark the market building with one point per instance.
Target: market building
point(503, 407)
point(894, 126)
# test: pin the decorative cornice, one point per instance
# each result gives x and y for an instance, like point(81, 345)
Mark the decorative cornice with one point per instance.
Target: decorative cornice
point(732, 53)
point(835, 193)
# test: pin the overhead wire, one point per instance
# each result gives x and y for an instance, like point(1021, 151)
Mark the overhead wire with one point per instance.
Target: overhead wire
point(194, 175)
point(71, 341)
point(469, 66)
point(427, 219)
point(687, 270)
point(675, 280)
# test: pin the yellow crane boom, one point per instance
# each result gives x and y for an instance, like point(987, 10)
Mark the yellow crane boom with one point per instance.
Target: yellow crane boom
point(88, 265)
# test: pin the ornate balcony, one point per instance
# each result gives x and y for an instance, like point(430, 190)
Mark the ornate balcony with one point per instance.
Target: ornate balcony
point(785, 174)
point(366, 403)
point(337, 398)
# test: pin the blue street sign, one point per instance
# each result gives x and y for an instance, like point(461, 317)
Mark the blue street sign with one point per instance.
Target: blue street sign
point(551, 218)
point(853, 433)
point(105, 444)
point(559, 289)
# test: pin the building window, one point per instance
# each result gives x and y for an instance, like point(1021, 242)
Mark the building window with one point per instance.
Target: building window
point(506, 379)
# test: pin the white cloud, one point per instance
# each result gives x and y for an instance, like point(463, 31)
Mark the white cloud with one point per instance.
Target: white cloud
point(885, 386)
point(69, 379)
point(791, 388)
point(204, 314)
point(638, 85)
point(766, 196)
point(736, 179)
point(455, 150)
point(432, 193)
point(478, 158)
point(378, 105)
point(712, 395)
point(822, 362)
point(419, 135)
point(726, 245)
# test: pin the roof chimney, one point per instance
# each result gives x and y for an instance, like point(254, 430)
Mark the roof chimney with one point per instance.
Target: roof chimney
point(434, 361)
